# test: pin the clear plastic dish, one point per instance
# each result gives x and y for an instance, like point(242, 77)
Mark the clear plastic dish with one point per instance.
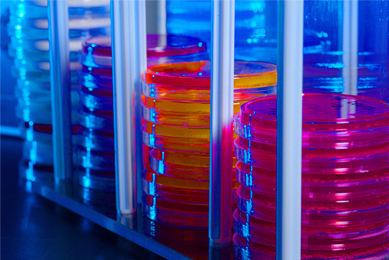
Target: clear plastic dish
point(174, 143)
point(175, 131)
point(95, 102)
point(368, 162)
point(350, 189)
point(314, 140)
point(316, 238)
point(322, 112)
point(245, 249)
point(175, 213)
point(94, 178)
point(197, 75)
point(97, 120)
point(183, 158)
point(186, 183)
point(99, 161)
point(342, 214)
point(160, 48)
point(95, 140)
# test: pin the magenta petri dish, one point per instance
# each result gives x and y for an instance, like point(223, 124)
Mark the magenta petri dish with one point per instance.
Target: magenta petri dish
point(355, 188)
point(339, 205)
point(246, 249)
point(316, 238)
point(314, 140)
point(345, 161)
point(357, 214)
point(378, 159)
point(322, 112)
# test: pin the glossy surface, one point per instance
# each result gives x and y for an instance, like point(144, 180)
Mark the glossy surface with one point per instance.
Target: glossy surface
point(95, 154)
point(44, 229)
point(176, 131)
point(29, 48)
point(344, 187)
point(157, 46)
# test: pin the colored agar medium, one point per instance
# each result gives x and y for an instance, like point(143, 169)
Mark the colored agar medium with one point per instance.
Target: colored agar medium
point(157, 46)
point(327, 112)
point(197, 74)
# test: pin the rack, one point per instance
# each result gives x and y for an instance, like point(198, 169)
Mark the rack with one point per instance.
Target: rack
point(129, 61)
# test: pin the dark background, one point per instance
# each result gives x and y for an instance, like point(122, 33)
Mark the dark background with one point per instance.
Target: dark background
point(33, 227)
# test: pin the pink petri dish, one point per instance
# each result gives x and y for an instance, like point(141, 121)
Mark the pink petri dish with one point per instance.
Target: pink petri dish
point(245, 249)
point(313, 238)
point(336, 162)
point(313, 192)
point(260, 203)
point(322, 112)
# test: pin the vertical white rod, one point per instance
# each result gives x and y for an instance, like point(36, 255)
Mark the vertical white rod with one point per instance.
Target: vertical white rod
point(60, 89)
point(128, 25)
point(222, 111)
point(161, 5)
point(350, 46)
point(289, 129)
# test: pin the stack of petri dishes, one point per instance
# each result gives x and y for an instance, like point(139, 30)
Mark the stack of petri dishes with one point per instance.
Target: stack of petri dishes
point(29, 47)
point(192, 242)
point(326, 73)
point(176, 130)
point(95, 151)
point(345, 191)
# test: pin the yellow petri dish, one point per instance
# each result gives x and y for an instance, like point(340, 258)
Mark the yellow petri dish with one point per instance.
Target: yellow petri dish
point(197, 74)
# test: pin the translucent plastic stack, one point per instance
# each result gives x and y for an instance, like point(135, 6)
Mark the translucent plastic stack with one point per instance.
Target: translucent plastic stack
point(29, 46)
point(96, 150)
point(327, 55)
point(326, 73)
point(255, 26)
point(176, 128)
point(192, 242)
point(345, 191)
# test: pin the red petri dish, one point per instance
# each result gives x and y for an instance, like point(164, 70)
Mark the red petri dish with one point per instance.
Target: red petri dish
point(175, 213)
point(157, 46)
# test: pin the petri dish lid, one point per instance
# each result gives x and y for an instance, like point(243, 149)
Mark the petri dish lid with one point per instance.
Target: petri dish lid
point(322, 112)
point(198, 74)
point(157, 46)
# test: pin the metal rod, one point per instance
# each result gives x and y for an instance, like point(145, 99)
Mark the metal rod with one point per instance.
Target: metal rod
point(222, 102)
point(128, 26)
point(289, 129)
point(10, 131)
point(161, 6)
point(60, 89)
point(350, 46)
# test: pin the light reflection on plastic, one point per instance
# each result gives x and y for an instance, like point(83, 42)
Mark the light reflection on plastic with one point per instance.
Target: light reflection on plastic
point(28, 186)
point(153, 210)
point(86, 182)
point(30, 171)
